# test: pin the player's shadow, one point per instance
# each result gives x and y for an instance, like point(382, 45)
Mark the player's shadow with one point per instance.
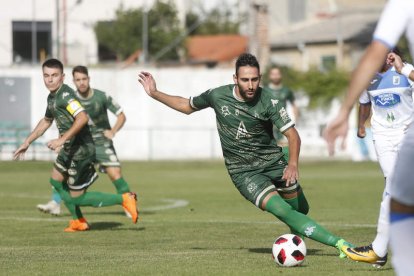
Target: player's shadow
point(143, 212)
point(105, 225)
point(269, 251)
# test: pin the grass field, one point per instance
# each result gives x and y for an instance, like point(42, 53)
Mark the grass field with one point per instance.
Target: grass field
point(192, 222)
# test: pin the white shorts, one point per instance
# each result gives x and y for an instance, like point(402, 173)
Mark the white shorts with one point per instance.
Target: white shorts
point(402, 179)
point(387, 150)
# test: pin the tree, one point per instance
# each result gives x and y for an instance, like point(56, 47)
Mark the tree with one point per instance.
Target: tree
point(217, 21)
point(320, 87)
point(123, 36)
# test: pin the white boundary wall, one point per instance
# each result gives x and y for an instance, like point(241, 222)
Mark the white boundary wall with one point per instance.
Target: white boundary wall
point(152, 130)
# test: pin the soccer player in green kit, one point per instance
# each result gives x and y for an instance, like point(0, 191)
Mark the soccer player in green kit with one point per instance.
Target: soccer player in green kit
point(245, 115)
point(284, 95)
point(97, 104)
point(73, 171)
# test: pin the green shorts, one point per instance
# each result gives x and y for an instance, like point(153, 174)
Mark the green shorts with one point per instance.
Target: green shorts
point(79, 174)
point(106, 156)
point(256, 185)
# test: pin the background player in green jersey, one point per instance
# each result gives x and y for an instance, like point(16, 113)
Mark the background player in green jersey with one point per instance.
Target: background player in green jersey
point(284, 94)
point(245, 115)
point(73, 171)
point(97, 104)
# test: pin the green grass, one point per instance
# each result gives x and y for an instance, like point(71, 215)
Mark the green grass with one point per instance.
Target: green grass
point(217, 233)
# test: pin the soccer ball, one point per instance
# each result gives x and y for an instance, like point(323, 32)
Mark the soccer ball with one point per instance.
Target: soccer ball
point(289, 250)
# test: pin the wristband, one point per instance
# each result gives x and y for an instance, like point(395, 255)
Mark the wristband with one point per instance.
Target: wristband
point(406, 70)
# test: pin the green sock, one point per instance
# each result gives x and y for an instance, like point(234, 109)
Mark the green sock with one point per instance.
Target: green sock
point(121, 186)
point(299, 222)
point(98, 199)
point(299, 203)
point(67, 199)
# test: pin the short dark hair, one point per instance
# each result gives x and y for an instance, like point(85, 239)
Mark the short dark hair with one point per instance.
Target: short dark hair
point(53, 63)
point(247, 59)
point(80, 69)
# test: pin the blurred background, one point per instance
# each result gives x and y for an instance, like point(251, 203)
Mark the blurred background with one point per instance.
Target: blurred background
point(189, 46)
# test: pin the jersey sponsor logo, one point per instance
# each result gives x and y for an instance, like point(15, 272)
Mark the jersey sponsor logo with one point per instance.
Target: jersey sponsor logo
point(242, 131)
point(387, 100)
point(284, 115)
point(73, 106)
point(274, 102)
point(225, 110)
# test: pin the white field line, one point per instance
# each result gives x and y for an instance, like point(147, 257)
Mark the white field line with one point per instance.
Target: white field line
point(53, 219)
point(171, 204)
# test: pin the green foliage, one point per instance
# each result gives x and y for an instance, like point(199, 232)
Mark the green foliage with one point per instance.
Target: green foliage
point(217, 21)
point(405, 49)
point(321, 87)
point(124, 35)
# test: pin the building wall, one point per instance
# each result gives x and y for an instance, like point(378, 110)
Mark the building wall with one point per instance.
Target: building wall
point(152, 130)
point(81, 44)
point(311, 55)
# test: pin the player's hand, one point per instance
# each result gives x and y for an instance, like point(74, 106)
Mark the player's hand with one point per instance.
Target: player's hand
point(109, 134)
point(291, 175)
point(338, 128)
point(19, 153)
point(395, 60)
point(148, 83)
point(56, 144)
point(361, 132)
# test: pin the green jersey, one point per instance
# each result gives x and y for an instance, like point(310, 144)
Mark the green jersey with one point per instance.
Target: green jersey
point(283, 94)
point(96, 105)
point(245, 128)
point(63, 106)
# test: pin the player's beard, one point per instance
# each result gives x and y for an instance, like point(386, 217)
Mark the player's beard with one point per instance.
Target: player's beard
point(83, 90)
point(248, 94)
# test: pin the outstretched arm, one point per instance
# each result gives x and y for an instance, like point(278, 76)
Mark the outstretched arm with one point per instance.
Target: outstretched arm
point(38, 131)
point(175, 102)
point(370, 63)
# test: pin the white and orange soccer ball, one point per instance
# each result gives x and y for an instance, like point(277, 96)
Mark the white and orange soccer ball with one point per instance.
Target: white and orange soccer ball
point(289, 250)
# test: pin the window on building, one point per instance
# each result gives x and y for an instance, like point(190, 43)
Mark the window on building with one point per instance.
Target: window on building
point(328, 63)
point(23, 44)
point(296, 10)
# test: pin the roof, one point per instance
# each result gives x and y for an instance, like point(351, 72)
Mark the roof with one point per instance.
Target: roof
point(216, 48)
point(357, 27)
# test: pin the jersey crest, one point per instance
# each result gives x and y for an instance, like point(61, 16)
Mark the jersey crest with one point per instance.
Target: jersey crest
point(225, 110)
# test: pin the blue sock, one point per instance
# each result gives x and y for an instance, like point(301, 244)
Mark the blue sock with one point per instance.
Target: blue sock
point(55, 196)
